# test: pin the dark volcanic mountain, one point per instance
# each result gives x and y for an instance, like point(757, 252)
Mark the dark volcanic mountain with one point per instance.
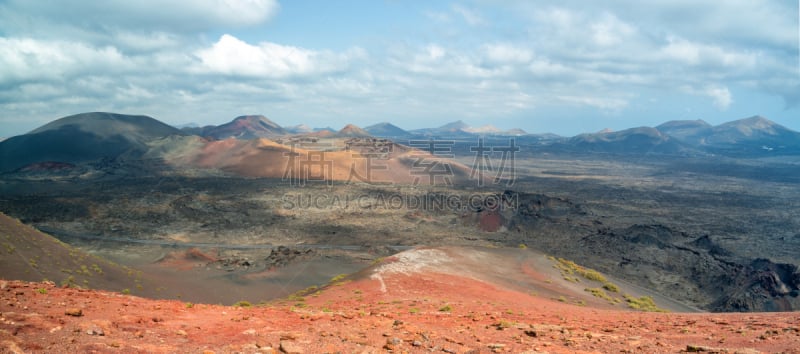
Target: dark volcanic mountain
point(754, 134)
point(82, 138)
point(243, 127)
point(642, 140)
point(750, 136)
point(386, 129)
point(688, 131)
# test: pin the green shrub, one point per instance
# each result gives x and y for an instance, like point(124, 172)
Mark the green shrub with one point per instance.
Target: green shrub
point(611, 287)
point(597, 292)
point(338, 278)
point(568, 267)
point(644, 303)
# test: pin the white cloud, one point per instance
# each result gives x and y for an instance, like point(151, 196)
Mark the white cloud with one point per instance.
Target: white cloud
point(172, 15)
point(148, 42)
point(610, 31)
point(720, 96)
point(435, 52)
point(610, 56)
point(471, 17)
point(23, 59)
point(603, 103)
point(232, 56)
point(692, 53)
point(682, 50)
point(508, 53)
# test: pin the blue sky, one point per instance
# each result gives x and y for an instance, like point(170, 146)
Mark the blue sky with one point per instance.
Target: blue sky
point(565, 67)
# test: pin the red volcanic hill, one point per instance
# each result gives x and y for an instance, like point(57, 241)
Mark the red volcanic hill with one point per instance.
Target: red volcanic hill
point(375, 163)
point(246, 128)
point(423, 300)
point(352, 131)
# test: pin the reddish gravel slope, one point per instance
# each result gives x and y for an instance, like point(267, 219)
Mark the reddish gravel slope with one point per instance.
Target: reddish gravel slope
point(401, 305)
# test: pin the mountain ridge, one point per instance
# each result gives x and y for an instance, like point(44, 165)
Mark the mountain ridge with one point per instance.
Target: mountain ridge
point(84, 137)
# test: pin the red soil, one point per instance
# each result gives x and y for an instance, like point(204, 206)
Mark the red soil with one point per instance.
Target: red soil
point(403, 310)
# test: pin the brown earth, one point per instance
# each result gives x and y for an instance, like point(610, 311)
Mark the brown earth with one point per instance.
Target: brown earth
point(411, 302)
point(267, 158)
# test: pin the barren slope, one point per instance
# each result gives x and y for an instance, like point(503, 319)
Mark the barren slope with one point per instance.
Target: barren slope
point(401, 305)
point(28, 254)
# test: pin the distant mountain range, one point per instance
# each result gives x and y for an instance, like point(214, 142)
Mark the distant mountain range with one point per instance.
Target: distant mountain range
point(739, 137)
point(642, 139)
point(749, 137)
point(461, 129)
point(256, 126)
point(92, 136)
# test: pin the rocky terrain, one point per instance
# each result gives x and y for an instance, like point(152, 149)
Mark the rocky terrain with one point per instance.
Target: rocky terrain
point(670, 224)
point(727, 252)
point(424, 300)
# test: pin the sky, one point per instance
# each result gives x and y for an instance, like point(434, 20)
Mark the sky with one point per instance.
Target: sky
point(565, 67)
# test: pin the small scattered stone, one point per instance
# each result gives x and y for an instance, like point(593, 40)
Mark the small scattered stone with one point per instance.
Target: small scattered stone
point(289, 336)
point(181, 332)
point(73, 311)
point(290, 348)
point(747, 351)
point(699, 348)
